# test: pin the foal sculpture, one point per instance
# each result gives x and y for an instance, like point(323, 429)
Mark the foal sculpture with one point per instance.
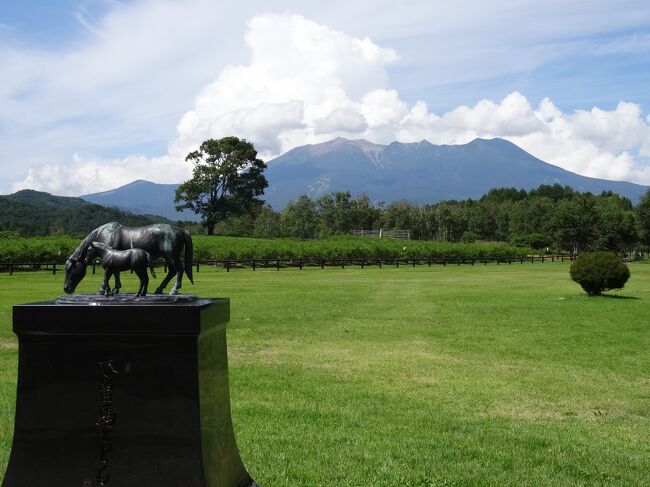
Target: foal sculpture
point(113, 261)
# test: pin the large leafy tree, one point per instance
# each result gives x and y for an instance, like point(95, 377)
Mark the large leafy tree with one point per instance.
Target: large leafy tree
point(643, 217)
point(227, 180)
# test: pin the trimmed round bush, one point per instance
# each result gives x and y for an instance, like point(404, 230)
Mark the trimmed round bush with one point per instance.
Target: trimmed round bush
point(599, 271)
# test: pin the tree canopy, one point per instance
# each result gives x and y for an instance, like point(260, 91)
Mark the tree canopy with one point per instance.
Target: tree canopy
point(227, 181)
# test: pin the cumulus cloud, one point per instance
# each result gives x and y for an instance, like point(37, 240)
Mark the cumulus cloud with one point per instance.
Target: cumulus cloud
point(85, 176)
point(307, 83)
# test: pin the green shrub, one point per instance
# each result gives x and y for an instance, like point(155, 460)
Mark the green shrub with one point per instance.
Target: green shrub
point(469, 237)
point(536, 241)
point(599, 271)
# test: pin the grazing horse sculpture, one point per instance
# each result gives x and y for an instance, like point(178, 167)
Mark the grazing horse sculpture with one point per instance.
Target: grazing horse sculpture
point(113, 261)
point(159, 240)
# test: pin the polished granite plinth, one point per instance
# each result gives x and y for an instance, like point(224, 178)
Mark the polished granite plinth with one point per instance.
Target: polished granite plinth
point(130, 394)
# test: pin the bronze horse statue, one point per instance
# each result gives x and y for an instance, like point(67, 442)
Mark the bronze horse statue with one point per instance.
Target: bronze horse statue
point(159, 240)
point(114, 261)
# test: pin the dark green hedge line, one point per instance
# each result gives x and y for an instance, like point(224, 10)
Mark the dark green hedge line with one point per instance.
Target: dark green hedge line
point(48, 249)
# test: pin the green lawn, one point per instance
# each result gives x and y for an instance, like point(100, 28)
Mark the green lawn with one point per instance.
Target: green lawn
point(484, 375)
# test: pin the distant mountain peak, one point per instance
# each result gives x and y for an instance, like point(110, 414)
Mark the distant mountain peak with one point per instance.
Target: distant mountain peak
point(142, 197)
point(421, 172)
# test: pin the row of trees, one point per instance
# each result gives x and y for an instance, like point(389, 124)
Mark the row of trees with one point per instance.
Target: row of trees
point(228, 183)
point(549, 216)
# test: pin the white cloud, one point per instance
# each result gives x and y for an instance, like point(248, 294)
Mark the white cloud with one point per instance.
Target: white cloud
point(302, 77)
point(307, 83)
point(85, 176)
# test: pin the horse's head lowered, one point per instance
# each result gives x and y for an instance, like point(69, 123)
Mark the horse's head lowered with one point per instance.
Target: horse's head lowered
point(75, 271)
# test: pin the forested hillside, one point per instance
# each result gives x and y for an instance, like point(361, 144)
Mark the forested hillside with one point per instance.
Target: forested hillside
point(32, 213)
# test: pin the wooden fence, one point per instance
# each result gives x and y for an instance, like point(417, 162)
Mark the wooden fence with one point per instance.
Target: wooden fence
point(381, 233)
point(254, 264)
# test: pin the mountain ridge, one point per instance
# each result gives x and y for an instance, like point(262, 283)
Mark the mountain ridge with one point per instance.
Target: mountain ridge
point(420, 172)
point(31, 212)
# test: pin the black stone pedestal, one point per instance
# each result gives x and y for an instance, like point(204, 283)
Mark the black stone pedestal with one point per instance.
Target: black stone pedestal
point(125, 394)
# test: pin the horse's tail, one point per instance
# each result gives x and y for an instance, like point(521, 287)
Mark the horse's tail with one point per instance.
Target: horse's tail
point(188, 255)
point(150, 262)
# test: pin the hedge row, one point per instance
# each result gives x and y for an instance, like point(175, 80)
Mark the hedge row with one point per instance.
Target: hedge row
point(222, 248)
point(48, 249)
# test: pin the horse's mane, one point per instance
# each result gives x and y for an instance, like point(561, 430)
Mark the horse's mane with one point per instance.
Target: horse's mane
point(82, 249)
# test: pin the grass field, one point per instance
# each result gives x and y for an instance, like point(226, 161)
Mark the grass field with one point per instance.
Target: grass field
point(484, 375)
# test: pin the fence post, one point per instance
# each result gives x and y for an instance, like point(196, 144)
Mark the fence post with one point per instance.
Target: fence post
point(397, 263)
point(197, 266)
point(542, 258)
point(458, 261)
point(277, 264)
point(509, 260)
point(11, 268)
point(444, 261)
point(322, 263)
point(472, 261)
point(253, 265)
point(380, 262)
point(300, 264)
point(94, 266)
point(227, 266)
point(532, 259)
point(429, 261)
point(342, 263)
point(54, 269)
point(497, 261)
point(363, 262)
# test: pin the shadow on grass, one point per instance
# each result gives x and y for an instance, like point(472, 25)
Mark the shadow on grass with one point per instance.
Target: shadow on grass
point(615, 296)
point(599, 296)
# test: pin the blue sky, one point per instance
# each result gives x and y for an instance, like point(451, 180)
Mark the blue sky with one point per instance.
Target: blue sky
point(96, 93)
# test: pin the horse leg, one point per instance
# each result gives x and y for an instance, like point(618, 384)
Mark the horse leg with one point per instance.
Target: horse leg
point(118, 283)
point(175, 265)
point(102, 288)
point(167, 278)
point(179, 282)
point(144, 281)
point(106, 286)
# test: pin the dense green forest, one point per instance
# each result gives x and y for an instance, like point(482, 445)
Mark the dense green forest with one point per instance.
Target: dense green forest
point(554, 217)
point(550, 216)
point(32, 213)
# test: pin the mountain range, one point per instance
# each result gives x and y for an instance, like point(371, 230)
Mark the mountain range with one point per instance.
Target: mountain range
point(30, 212)
point(419, 172)
point(143, 197)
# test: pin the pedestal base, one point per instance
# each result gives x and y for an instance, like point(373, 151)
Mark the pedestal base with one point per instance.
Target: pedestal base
point(113, 393)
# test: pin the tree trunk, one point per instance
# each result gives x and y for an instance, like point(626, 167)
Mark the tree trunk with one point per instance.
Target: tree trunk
point(210, 227)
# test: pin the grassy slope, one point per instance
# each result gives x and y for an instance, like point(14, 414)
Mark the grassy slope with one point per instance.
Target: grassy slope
point(464, 375)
